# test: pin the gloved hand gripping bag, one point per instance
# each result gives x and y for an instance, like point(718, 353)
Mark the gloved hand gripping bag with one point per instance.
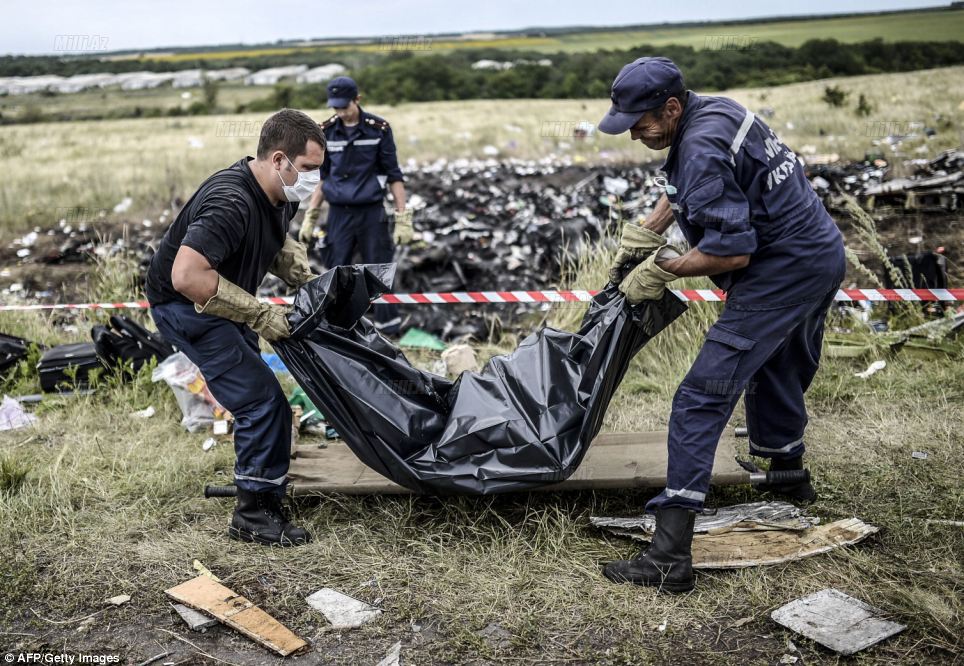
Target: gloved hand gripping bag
point(525, 420)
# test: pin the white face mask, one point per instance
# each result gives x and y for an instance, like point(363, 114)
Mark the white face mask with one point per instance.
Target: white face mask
point(303, 187)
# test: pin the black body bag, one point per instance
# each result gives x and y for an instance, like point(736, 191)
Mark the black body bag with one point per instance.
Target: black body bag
point(525, 420)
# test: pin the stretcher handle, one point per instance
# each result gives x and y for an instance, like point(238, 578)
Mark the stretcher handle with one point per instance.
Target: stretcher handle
point(780, 477)
point(220, 491)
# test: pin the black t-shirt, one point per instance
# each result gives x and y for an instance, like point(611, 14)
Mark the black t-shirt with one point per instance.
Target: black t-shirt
point(230, 221)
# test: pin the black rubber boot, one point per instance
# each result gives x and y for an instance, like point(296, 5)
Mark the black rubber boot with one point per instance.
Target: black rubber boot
point(802, 492)
point(260, 518)
point(668, 562)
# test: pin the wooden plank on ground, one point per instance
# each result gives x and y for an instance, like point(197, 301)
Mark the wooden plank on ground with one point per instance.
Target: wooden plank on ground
point(615, 460)
point(736, 550)
point(232, 609)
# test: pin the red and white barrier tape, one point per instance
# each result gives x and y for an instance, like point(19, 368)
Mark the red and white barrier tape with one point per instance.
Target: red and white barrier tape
point(545, 296)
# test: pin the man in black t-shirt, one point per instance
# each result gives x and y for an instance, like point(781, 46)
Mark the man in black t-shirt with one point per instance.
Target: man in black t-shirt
point(201, 285)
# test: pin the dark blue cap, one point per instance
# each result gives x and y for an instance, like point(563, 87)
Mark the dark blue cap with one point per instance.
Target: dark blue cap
point(642, 85)
point(341, 91)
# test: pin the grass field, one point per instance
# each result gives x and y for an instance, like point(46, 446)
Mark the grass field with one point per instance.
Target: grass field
point(95, 503)
point(93, 165)
point(903, 26)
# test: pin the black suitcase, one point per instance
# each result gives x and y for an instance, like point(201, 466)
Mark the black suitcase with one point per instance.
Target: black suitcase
point(12, 351)
point(126, 340)
point(54, 364)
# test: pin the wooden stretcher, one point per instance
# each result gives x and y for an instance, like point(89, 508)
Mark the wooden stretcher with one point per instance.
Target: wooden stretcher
point(614, 460)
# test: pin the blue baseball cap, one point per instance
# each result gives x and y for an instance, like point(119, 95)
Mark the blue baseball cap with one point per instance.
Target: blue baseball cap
point(341, 91)
point(642, 85)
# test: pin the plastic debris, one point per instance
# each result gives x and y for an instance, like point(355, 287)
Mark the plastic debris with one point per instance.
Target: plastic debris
point(13, 415)
point(458, 359)
point(119, 600)
point(837, 621)
point(342, 611)
point(195, 620)
point(199, 408)
point(145, 413)
point(872, 369)
point(919, 455)
point(393, 656)
point(416, 338)
point(208, 444)
point(739, 517)
point(124, 205)
point(274, 363)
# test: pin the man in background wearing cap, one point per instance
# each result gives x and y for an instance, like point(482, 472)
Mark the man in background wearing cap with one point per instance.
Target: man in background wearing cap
point(758, 230)
point(359, 161)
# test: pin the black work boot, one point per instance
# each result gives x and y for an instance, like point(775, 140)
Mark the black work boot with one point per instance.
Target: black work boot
point(668, 562)
point(260, 517)
point(799, 492)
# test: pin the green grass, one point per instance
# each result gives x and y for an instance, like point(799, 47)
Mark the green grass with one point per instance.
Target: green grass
point(95, 503)
point(935, 26)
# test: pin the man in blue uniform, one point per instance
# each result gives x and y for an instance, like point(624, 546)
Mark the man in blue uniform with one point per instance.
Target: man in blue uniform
point(359, 162)
point(755, 226)
point(201, 285)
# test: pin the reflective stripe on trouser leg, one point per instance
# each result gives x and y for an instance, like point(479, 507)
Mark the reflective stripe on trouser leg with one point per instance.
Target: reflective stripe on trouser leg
point(791, 450)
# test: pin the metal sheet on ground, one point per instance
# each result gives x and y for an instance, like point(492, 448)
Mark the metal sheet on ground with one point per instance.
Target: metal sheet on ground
point(837, 621)
point(614, 460)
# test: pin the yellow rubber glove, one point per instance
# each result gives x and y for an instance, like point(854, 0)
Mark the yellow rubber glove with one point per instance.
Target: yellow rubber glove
point(234, 303)
point(307, 232)
point(291, 263)
point(403, 227)
point(635, 245)
point(647, 282)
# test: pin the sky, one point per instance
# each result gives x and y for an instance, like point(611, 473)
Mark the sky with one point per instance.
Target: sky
point(40, 27)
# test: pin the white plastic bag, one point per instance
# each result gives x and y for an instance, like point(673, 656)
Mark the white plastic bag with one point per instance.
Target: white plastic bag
point(198, 406)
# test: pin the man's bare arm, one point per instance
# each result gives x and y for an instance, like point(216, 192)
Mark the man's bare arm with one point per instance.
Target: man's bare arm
point(695, 263)
point(661, 218)
point(192, 276)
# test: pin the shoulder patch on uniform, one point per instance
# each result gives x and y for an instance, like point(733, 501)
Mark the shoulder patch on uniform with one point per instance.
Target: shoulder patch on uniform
point(378, 123)
point(328, 123)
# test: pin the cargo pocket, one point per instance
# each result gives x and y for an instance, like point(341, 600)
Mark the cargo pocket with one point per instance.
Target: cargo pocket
point(716, 369)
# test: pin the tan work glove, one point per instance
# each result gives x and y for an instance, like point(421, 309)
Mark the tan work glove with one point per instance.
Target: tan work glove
point(234, 303)
point(647, 282)
point(291, 263)
point(307, 232)
point(635, 245)
point(403, 227)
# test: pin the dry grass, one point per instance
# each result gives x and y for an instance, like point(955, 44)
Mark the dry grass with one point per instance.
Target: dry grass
point(95, 503)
